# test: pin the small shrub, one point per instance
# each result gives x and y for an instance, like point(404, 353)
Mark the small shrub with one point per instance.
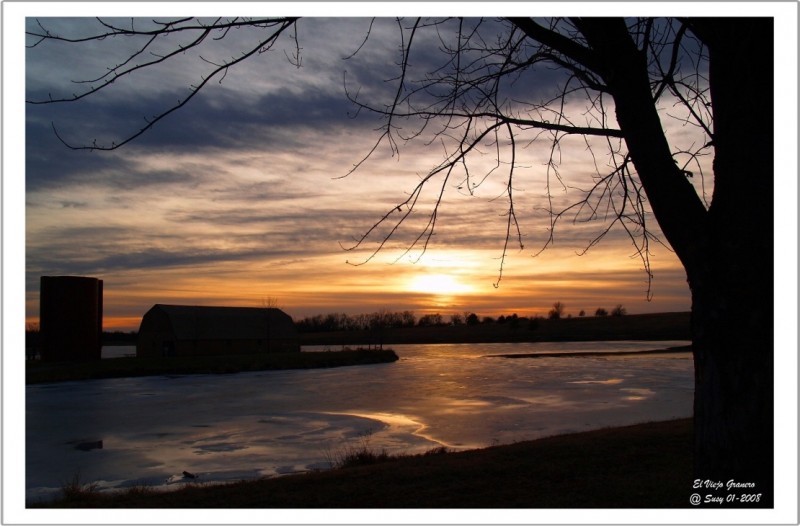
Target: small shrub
point(601, 312)
point(360, 454)
point(140, 491)
point(75, 488)
point(362, 457)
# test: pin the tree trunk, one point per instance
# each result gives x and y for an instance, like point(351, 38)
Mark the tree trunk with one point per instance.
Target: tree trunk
point(727, 250)
point(732, 288)
point(733, 356)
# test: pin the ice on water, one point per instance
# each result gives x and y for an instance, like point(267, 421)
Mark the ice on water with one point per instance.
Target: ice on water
point(153, 431)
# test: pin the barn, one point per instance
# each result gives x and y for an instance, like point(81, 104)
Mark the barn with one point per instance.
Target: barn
point(183, 330)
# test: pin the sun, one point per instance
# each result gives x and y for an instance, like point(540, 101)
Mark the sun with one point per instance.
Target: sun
point(438, 284)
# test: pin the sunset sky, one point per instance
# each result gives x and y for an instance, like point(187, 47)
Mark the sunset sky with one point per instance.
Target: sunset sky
point(239, 198)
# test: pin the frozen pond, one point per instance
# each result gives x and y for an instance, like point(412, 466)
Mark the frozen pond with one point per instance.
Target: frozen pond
point(148, 431)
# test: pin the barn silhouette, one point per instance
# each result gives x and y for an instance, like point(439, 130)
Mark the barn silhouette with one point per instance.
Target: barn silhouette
point(184, 330)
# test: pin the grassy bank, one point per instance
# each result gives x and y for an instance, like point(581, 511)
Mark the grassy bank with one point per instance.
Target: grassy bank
point(647, 465)
point(40, 372)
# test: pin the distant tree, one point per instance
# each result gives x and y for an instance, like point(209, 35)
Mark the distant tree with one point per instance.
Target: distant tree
point(361, 321)
point(472, 319)
point(557, 311)
point(408, 318)
point(270, 302)
point(380, 321)
point(619, 310)
point(327, 322)
point(456, 319)
point(332, 322)
point(622, 76)
point(431, 320)
point(601, 312)
point(394, 319)
point(582, 313)
point(488, 320)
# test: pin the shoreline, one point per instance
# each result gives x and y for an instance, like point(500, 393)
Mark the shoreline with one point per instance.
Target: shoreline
point(667, 350)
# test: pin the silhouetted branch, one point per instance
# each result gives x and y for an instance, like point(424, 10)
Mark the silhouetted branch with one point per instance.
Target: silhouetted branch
point(128, 67)
point(466, 89)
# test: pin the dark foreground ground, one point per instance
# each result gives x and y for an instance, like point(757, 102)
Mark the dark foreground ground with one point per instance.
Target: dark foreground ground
point(642, 466)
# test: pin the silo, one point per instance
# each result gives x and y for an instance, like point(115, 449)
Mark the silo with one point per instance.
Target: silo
point(71, 317)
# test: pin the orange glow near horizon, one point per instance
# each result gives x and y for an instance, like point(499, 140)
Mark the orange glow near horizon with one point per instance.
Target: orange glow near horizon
point(443, 282)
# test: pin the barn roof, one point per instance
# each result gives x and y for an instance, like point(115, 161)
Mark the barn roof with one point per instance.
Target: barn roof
point(212, 323)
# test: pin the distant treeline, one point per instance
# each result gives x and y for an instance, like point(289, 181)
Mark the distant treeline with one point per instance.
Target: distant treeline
point(340, 321)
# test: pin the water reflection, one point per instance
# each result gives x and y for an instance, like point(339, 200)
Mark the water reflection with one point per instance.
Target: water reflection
point(230, 427)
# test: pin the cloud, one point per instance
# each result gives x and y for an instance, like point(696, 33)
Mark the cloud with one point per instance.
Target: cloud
point(266, 90)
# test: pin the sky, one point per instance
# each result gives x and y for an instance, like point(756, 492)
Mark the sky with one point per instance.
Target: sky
point(244, 197)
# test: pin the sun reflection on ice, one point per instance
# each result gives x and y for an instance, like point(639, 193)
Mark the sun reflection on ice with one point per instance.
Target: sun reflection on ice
point(397, 423)
point(638, 393)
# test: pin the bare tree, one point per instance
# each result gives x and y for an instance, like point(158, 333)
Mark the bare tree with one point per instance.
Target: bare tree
point(270, 302)
point(484, 95)
point(557, 311)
